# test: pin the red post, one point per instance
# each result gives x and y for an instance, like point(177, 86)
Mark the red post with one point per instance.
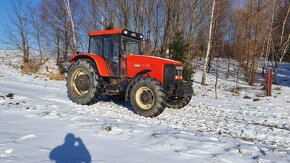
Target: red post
point(268, 82)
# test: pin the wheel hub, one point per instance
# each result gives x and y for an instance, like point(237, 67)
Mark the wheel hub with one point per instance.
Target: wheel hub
point(146, 97)
point(82, 82)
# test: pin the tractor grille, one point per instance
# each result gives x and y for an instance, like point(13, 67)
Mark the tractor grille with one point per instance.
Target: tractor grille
point(169, 74)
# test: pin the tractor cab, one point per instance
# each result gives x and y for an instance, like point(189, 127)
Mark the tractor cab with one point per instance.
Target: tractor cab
point(114, 46)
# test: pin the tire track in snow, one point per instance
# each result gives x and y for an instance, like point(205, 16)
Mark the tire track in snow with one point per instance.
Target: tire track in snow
point(229, 123)
point(246, 125)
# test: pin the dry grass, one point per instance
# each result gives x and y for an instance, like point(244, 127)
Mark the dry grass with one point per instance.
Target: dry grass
point(57, 76)
point(277, 88)
point(33, 66)
point(260, 95)
point(25, 69)
point(235, 91)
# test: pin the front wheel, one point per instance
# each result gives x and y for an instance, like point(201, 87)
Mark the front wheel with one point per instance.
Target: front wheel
point(177, 102)
point(147, 97)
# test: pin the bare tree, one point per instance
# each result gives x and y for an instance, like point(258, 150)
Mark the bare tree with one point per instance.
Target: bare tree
point(72, 26)
point(244, 31)
point(208, 43)
point(270, 39)
point(17, 30)
point(125, 8)
point(283, 46)
point(38, 20)
point(216, 78)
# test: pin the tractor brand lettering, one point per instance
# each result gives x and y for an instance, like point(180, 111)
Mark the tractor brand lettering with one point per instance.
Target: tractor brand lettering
point(137, 65)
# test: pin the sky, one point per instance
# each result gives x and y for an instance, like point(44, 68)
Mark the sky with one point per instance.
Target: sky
point(4, 5)
point(4, 8)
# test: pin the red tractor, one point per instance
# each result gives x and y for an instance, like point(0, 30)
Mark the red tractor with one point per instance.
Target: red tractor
point(115, 66)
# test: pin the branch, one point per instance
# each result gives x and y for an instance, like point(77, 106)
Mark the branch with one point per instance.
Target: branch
point(284, 23)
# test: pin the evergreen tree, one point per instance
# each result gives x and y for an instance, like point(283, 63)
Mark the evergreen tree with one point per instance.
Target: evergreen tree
point(178, 50)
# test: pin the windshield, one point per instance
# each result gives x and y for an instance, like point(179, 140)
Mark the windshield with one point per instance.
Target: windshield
point(131, 46)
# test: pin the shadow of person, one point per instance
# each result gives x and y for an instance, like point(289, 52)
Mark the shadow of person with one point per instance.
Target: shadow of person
point(71, 151)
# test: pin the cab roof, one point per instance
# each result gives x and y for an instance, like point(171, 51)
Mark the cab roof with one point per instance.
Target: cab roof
point(124, 32)
point(106, 32)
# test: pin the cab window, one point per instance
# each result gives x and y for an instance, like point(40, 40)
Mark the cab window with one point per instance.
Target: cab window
point(130, 46)
point(111, 52)
point(96, 45)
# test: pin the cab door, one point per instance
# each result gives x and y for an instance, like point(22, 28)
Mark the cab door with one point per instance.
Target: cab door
point(111, 53)
point(123, 59)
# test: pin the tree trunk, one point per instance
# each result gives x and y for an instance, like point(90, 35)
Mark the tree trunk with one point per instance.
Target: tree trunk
point(72, 26)
point(216, 78)
point(208, 44)
point(283, 50)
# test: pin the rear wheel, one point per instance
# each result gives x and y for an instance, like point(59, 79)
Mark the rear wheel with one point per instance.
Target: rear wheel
point(147, 97)
point(177, 102)
point(83, 83)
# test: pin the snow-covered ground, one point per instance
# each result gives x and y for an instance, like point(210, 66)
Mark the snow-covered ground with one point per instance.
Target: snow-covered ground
point(36, 117)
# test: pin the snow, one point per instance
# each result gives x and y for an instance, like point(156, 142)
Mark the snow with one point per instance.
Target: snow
point(38, 116)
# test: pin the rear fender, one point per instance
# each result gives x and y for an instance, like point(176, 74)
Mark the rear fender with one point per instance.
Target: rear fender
point(98, 60)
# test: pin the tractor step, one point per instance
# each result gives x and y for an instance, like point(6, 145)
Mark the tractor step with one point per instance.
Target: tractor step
point(112, 89)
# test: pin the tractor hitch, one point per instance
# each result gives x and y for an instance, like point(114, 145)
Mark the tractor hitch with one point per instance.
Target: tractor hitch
point(184, 88)
point(180, 89)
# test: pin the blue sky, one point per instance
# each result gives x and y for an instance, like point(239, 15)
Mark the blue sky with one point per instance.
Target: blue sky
point(4, 11)
point(4, 5)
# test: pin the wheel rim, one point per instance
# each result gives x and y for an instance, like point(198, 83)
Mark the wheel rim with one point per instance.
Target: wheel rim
point(80, 82)
point(145, 98)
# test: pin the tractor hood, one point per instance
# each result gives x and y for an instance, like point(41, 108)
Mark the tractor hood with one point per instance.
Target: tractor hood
point(151, 60)
point(156, 66)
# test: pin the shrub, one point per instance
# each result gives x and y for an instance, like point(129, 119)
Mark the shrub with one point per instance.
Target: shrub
point(178, 48)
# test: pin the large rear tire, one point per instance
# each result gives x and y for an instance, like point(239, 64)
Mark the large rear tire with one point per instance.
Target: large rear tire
point(147, 97)
point(177, 103)
point(83, 82)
